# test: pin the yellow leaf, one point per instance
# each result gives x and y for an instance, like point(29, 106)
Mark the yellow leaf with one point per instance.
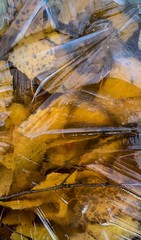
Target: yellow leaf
point(35, 200)
point(6, 177)
point(34, 232)
point(117, 88)
point(18, 217)
point(18, 114)
point(52, 180)
point(88, 176)
point(101, 152)
point(36, 52)
point(45, 119)
point(87, 113)
point(66, 154)
point(23, 204)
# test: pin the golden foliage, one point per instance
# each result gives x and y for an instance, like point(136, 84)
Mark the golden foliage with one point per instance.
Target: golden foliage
point(32, 231)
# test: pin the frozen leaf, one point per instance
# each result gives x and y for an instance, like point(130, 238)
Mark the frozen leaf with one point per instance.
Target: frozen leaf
point(19, 26)
point(66, 155)
point(126, 23)
point(102, 152)
point(89, 68)
point(81, 112)
point(124, 68)
point(81, 62)
point(69, 108)
point(41, 22)
point(49, 116)
point(89, 114)
point(45, 59)
point(74, 20)
point(71, 162)
point(101, 205)
point(127, 228)
point(37, 53)
point(87, 176)
point(123, 171)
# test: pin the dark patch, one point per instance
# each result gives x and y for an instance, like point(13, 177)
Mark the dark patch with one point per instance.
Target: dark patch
point(17, 22)
point(23, 88)
point(6, 42)
point(22, 19)
point(136, 238)
point(4, 233)
point(49, 100)
point(9, 230)
point(27, 10)
point(45, 16)
point(73, 28)
point(132, 44)
point(23, 13)
point(34, 56)
point(44, 65)
point(49, 40)
point(130, 125)
point(68, 28)
point(132, 81)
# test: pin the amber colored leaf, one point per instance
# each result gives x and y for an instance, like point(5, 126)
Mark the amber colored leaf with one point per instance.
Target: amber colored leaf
point(51, 180)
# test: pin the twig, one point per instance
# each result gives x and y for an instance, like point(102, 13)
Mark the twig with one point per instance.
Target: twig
point(11, 230)
point(65, 186)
